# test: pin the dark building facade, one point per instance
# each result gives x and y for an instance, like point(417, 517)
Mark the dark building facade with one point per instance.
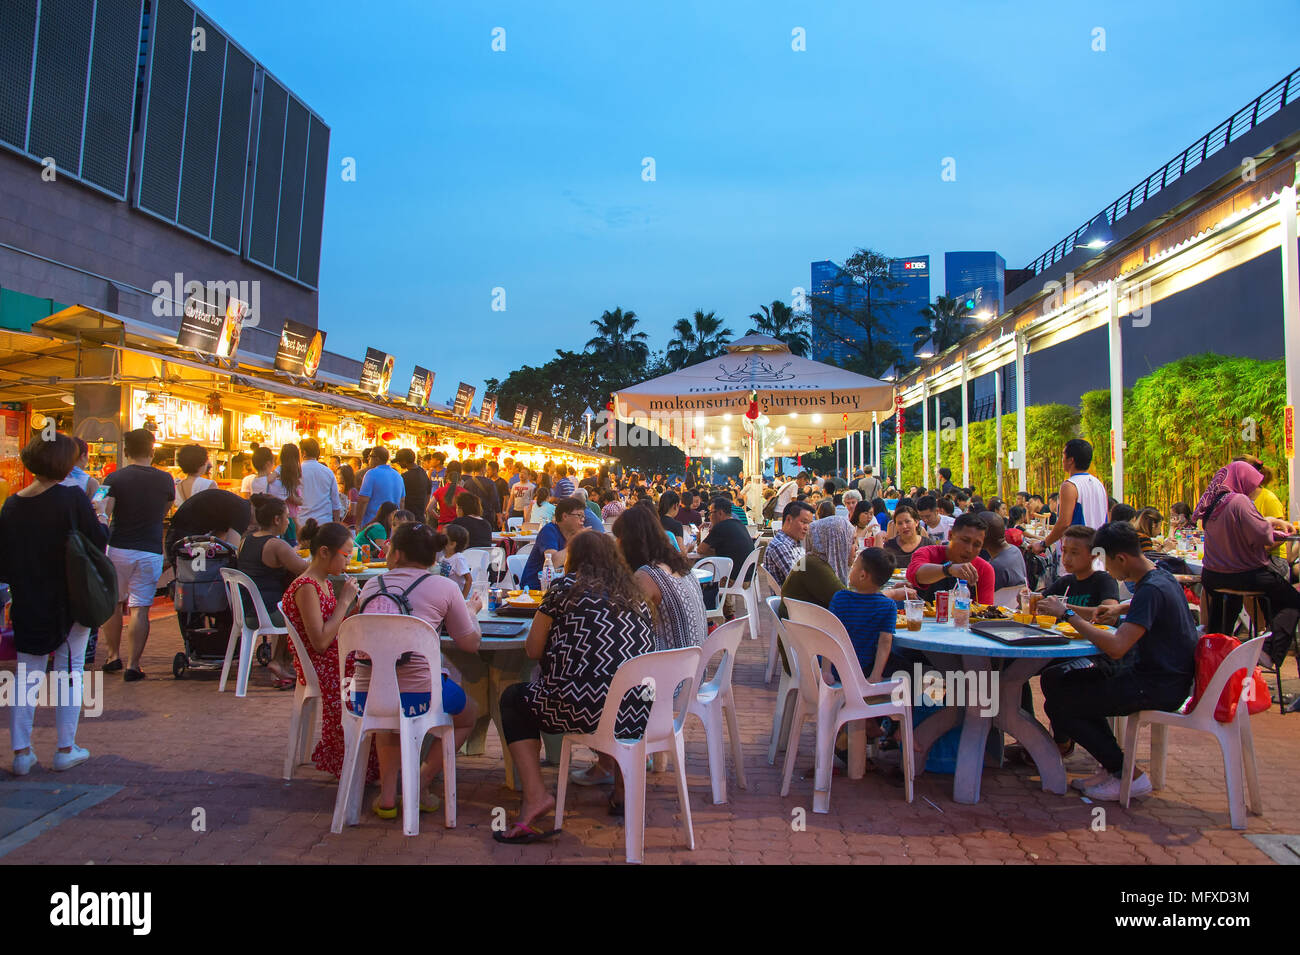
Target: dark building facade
point(144, 149)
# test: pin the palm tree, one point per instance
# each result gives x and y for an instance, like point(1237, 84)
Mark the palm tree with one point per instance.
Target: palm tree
point(698, 338)
point(948, 321)
point(781, 322)
point(617, 341)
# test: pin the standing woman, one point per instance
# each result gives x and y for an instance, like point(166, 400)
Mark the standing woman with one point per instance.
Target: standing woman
point(348, 487)
point(79, 477)
point(34, 527)
point(591, 621)
point(313, 610)
point(287, 485)
point(445, 498)
point(194, 464)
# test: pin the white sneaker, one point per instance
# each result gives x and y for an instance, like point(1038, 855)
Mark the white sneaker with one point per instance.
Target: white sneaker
point(1084, 783)
point(1109, 790)
point(64, 761)
point(23, 764)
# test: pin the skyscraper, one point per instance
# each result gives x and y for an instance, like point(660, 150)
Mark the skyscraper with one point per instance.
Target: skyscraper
point(977, 275)
point(912, 298)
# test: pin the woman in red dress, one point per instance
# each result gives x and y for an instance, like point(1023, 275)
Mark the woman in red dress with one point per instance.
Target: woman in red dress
point(311, 607)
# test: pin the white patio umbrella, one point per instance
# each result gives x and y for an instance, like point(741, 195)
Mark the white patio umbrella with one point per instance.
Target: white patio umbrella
point(798, 404)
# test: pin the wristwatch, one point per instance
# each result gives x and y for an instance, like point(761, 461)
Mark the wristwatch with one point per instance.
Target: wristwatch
point(946, 564)
point(1068, 614)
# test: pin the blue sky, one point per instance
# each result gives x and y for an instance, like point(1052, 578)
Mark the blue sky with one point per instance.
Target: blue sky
point(522, 169)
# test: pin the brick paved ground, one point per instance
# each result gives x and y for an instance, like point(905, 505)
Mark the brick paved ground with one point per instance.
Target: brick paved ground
point(177, 745)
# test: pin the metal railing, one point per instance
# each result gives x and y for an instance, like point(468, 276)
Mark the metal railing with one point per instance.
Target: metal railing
point(1234, 127)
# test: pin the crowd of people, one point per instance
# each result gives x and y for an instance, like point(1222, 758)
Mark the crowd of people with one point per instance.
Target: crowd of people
point(621, 547)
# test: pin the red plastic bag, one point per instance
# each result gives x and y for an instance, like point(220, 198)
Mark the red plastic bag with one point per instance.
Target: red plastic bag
point(1211, 650)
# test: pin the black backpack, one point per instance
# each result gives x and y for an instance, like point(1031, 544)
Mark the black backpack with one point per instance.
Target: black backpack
point(402, 599)
point(91, 579)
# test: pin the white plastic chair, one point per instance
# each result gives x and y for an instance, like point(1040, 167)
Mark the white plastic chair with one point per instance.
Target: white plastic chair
point(745, 594)
point(242, 631)
point(384, 637)
point(833, 705)
point(764, 621)
point(714, 700)
point(1236, 741)
point(306, 704)
point(720, 567)
point(516, 563)
point(514, 523)
point(523, 550)
point(787, 686)
point(655, 675)
point(479, 559)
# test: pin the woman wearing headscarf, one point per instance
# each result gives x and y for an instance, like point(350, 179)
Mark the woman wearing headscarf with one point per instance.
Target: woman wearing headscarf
point(1237, 543)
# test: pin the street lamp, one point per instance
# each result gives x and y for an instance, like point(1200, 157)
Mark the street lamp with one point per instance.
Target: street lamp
point(1097, 235)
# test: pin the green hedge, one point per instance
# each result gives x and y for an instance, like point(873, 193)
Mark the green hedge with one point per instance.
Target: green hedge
point(1182, 423)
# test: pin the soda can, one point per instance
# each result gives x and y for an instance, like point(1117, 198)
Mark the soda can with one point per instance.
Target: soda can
point(494, 600)
point(941, 601)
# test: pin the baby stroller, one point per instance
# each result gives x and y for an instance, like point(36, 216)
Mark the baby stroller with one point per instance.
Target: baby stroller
point(201, 603)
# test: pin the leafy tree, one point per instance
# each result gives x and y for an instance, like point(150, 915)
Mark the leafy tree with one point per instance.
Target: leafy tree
point(783, 323)
point(617, 341)
point(698, 339)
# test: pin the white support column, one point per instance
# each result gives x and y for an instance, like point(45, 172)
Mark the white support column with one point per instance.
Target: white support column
point(1116, 345)
point(997, 417)
point(1291, 325)
point(965, 425)
point(938, 434)
point(1021, 414)
point(875, 441)
point(925, 436)
point(898, 455)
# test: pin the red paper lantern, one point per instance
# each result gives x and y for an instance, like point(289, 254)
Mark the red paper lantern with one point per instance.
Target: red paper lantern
point(473, 448)
point(461, 445)
point(752, 412)
point(387, 436)
point(496, 452)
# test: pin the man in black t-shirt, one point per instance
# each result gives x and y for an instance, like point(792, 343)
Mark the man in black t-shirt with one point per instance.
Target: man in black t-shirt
point(500, 483)
point(1148, 665)
point(416, 482)
point(138, 499)
point(727, 536)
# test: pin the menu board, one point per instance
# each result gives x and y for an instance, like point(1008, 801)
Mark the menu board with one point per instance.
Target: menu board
point(521, 412)
point(301, 347)
point(377, 372)
point(536, 422)
point(464, 398)
point(489, 409)
point(206, 328)
point(555, 427)
point(421, 387)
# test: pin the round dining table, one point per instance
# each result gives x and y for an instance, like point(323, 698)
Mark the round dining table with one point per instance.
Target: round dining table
point(981, 661)
point(485, 673)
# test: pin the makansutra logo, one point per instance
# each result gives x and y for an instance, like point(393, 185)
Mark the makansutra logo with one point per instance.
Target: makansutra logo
point(77, 908)
point(755, 368)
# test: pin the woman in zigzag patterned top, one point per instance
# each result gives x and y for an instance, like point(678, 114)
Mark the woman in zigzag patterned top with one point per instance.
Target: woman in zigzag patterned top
point(591, 621)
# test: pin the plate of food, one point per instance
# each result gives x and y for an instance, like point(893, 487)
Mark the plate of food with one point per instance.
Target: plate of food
point(354, 568)
point(377, 563)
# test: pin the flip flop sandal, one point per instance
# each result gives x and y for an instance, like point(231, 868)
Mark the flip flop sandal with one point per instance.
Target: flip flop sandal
point(130, 676)
point(520, 834)
point(112, 666)
point(381, 812)
point(287, 683)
